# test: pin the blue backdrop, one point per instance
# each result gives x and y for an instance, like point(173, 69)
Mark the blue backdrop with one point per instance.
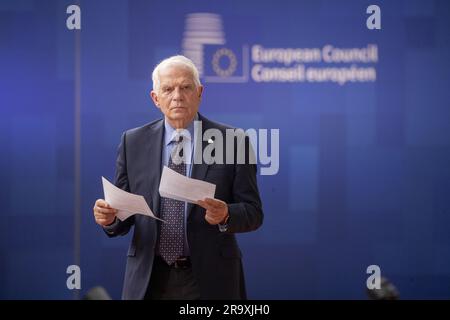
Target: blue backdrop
point(364, 170)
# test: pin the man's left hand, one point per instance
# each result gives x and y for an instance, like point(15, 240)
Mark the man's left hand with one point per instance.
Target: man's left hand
point(216, 210)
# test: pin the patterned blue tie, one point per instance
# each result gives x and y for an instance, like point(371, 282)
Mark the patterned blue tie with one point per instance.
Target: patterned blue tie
point(172, 212)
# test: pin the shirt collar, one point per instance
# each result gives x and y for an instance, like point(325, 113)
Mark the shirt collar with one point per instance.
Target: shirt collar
point(171, 132)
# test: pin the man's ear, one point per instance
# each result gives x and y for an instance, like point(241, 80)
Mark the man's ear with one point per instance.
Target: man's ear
point(154, 97)
point(200, 91)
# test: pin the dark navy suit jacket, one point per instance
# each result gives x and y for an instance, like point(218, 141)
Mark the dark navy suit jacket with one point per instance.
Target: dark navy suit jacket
point(215, 255)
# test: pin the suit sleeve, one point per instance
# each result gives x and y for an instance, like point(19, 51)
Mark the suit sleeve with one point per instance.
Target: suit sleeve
point(121, 181)
point(245, 212)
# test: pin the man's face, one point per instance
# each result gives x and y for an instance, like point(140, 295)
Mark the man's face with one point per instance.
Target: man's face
point(177, 97)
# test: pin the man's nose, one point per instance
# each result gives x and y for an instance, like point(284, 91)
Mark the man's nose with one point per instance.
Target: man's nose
point(177, 94)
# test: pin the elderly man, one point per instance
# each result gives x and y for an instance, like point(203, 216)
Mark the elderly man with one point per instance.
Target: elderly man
point(194, 253)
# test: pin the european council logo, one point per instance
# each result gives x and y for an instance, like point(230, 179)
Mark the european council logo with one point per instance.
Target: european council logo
point(226, 64)
point(203, 42)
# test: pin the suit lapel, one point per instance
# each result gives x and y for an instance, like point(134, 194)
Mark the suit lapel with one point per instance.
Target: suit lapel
point(153, 156)
point(199, 170)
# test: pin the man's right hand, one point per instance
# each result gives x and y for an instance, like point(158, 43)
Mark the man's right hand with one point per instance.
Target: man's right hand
point(103, 213)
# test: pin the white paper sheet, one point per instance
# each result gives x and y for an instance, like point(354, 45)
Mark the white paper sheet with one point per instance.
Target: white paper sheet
point(126, 203)
point(179, 187)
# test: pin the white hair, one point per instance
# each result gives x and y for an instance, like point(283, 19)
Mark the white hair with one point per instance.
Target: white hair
point(180, 61)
